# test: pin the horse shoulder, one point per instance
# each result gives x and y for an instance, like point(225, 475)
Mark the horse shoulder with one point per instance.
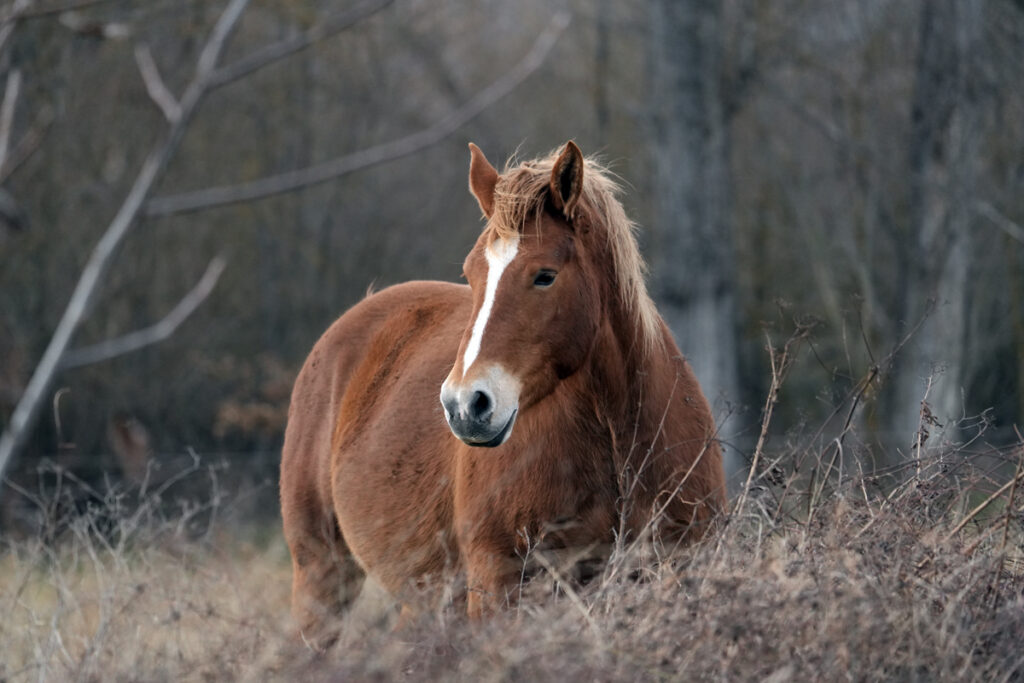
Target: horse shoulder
point(686, 454)
point(348, 348)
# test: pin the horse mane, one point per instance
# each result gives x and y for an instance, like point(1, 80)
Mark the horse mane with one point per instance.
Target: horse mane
point(520, 195)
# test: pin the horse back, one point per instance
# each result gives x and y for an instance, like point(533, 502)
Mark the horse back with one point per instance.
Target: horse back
point(342, 387)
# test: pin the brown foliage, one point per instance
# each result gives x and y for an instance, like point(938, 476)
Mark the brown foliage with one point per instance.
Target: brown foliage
point(870, 586)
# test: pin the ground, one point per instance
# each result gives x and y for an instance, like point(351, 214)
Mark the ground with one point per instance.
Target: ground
point(846, 581)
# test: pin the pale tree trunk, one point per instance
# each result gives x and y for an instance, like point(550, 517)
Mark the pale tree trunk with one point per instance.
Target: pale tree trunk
point(939, 252)
point(692, 255)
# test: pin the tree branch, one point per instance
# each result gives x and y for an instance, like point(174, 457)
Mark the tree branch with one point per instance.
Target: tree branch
point(155, 86)
point(7, 112)
point(11, 18)
point(153, 334)
point(27, 145)
point(1001, 221)
point(35, 12)
point(372, 156)
point(272, 53)
point(210, 53)
point(31, 400)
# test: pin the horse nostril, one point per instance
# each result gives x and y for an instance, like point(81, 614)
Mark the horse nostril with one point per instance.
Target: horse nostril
point(480, 406)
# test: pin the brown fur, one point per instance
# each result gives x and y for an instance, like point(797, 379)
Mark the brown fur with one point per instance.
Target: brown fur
point(612, 428)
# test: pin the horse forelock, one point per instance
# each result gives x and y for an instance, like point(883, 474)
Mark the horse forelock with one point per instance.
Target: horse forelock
point(520, 196)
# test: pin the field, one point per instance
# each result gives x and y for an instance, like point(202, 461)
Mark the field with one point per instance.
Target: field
point(918, 576)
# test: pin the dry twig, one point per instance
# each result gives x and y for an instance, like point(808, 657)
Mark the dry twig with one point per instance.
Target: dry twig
point(158, 332)
point(780, 364)
point(984, 504)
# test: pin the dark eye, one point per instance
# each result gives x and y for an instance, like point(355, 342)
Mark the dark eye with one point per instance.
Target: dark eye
point(544, 278)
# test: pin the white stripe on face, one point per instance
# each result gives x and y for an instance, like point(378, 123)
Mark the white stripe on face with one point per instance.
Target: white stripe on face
point(499, 254)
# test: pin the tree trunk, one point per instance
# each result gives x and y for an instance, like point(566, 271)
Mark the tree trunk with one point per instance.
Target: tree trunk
point(939, 251)
point(694, 263)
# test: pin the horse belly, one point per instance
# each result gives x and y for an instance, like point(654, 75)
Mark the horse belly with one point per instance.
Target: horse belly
point(391, 473)
point(393, 507)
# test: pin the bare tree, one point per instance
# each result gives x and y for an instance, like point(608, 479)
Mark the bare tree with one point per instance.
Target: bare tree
point(939, 249)
point(99, 262)
point(694, 270)
point(178, 114)
point(371, 156)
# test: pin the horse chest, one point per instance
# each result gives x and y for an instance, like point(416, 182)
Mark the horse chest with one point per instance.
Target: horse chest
point(558, 494)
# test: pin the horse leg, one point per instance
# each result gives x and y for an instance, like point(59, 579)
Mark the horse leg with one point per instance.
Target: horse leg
point(491, 580)
point(325, 581)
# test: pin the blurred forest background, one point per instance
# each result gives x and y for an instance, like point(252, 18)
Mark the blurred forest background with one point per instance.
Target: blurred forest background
point(855, 165)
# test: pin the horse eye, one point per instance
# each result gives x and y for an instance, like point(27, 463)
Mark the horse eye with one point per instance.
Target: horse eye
point(544, 278)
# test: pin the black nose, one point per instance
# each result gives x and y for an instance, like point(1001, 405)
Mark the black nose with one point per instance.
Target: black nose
point(470, 420)
point(480, 406)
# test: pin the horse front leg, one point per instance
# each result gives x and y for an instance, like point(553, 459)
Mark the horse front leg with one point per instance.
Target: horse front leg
point(492, 580)
point(325, 580)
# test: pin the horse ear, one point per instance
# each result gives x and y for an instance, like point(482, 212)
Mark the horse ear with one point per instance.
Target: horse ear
point(482, 179)
point(567, 179)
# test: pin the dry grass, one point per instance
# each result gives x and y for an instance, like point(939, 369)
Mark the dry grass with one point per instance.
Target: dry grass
point(109, 593)
point(916, 576)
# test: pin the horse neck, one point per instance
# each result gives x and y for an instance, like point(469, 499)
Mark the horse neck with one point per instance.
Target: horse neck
point(624, 340)
point(617, 372)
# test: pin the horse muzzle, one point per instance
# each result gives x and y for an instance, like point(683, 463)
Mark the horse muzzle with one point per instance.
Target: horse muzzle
point(481, 412)
point(481, 435)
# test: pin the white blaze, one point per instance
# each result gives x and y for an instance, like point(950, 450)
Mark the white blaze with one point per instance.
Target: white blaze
point(499, 254)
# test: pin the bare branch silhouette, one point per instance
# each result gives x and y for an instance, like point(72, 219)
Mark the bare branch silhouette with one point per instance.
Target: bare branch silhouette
point(155, 86)
point(158, 332)
point(29, 12)
point(1000, 220)
point(285, 48)
point(7, 112)
point(28, 144)
point(102, 255)
point(11, 17)
point(208, 76)
point(372, 156)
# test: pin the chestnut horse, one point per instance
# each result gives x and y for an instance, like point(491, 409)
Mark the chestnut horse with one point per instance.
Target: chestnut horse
point(567, 414)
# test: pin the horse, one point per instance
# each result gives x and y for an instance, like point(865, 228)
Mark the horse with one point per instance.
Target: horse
point(436, 429)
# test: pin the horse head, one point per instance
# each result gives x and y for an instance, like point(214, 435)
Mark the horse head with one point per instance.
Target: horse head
point(536, 298)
